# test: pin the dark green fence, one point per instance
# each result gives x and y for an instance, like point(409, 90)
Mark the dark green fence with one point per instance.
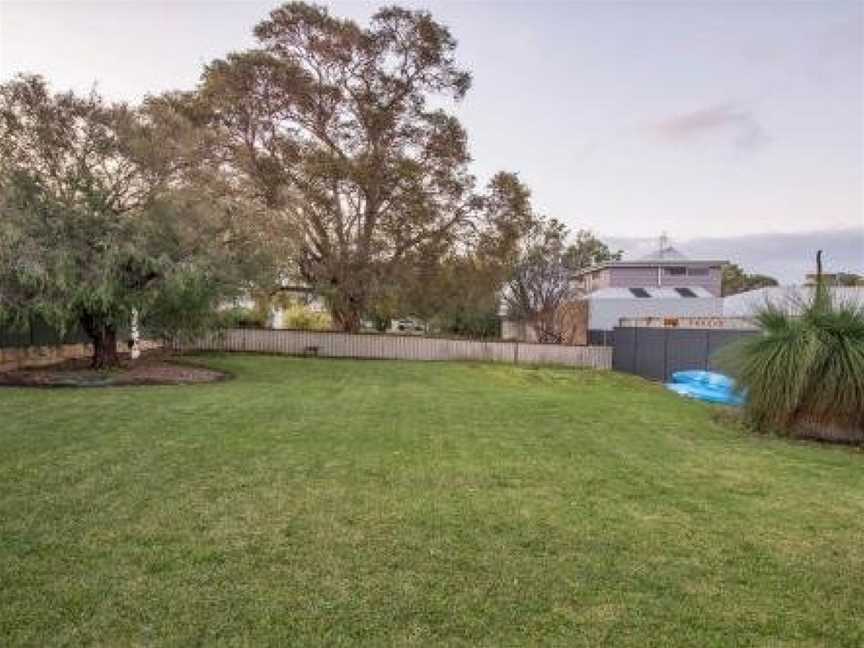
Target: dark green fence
point(38, 333)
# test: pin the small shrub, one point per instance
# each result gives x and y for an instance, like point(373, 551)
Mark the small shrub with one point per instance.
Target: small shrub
point(185, 309)
point(239, 316)
point(476, 325)
point(298, 316)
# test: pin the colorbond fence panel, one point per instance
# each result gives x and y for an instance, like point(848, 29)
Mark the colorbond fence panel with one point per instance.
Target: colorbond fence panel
point(624, 350)
point(387, 347)
point(651, 355)
point(656, 353)
point(687, 349)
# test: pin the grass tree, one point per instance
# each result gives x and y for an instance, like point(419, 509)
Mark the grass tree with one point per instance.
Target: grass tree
point(804, 374)
point(95, 223)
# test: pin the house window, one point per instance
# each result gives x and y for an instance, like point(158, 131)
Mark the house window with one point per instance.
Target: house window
point(640, 292)
point(685, 292)
point(697, 272)
point(676, 270)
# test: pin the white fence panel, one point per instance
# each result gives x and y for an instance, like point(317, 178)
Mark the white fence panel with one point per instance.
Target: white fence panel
point(391, 347)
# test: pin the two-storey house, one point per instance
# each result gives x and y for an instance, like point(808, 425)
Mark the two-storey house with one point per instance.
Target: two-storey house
point(667, 268)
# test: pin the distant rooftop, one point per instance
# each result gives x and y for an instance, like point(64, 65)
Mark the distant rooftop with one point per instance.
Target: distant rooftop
point(786, 297)
point(669, 257)
point(667, 253)
point(651, 292)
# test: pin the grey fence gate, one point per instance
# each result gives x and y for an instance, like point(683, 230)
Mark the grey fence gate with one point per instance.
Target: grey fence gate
point(657, 353)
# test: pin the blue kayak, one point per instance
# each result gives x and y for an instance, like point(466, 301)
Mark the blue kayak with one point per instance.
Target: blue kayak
point(706, 386)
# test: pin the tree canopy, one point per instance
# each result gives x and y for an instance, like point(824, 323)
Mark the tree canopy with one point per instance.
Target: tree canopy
point(339, 129)
point(540, 282)
point(95, 221)
point(327, 155)
point(848, 279)
point(456, 286)
point(587, 250)
point(735, 280)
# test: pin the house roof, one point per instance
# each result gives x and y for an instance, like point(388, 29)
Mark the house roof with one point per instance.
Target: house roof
point(653, 293)
point(653, 263)
point(747, 303)
point(668, 253)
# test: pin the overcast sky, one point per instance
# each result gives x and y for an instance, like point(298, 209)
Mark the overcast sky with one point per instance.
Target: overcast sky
point(718, 121)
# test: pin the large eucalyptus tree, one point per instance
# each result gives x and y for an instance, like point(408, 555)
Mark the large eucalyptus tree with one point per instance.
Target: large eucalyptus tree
point(340, 129)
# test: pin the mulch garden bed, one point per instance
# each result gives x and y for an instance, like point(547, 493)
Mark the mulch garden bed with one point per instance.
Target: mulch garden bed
point(152, 368)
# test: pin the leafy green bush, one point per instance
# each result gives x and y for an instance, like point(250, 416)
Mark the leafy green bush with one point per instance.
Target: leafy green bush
point(240, 316)
point(475, 325)
point(804, 374)
point(184, 309)
point(298, 316)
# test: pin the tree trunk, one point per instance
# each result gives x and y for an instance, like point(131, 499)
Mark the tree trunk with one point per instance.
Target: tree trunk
point(104, 337)
point(347, 319)
point(346, 308)
point(546, 329)
point(105, 350)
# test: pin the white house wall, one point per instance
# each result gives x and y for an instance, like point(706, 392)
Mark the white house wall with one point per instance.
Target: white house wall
point(603, 314)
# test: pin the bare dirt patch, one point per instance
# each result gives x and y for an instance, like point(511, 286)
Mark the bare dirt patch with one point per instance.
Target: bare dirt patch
point(152, 368)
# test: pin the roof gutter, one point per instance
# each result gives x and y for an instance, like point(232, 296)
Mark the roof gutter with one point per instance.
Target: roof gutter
point(650, 264)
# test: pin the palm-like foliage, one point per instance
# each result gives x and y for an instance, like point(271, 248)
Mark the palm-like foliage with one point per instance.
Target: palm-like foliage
point(807, 367)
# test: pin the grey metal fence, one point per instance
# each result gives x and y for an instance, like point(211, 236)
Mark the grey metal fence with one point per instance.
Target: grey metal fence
point(657, 353)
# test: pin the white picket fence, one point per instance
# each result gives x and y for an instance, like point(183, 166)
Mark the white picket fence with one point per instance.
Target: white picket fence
point(399, 347)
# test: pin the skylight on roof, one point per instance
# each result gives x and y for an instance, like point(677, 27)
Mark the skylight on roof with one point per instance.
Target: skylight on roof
point(640, 292)
point(685, 292)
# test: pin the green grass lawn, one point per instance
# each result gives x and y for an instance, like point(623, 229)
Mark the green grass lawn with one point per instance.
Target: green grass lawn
point(328, 502)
